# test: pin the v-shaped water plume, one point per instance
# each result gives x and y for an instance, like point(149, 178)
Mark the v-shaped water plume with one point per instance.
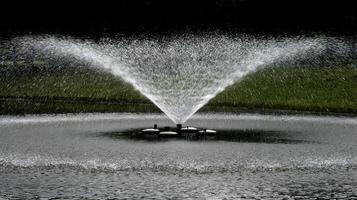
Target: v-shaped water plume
point(179, 75)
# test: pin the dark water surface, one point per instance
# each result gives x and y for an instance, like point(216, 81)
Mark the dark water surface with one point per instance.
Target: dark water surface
point(272, 157)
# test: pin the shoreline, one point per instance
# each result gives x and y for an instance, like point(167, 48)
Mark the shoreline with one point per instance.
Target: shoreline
point(12, 105)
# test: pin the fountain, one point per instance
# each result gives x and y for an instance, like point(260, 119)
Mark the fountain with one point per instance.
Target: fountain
point(267, 156)
point(180, 74)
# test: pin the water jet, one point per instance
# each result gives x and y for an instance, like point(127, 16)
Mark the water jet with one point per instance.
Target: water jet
point(193, 69)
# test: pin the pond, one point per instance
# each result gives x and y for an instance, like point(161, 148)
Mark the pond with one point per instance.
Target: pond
point(85, 156)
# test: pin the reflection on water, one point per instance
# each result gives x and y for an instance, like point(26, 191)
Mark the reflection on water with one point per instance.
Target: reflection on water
point(256, 156)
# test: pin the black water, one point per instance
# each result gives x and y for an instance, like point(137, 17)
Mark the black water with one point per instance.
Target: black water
point(271, 157)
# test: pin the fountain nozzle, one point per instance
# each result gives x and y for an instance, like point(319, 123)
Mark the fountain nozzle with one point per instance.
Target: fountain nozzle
point(178, 128)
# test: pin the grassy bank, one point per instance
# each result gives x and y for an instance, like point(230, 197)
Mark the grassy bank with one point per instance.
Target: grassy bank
point(323, 89)
point(328, 89)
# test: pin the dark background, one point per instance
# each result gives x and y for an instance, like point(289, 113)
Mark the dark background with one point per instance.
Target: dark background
point(105, 18)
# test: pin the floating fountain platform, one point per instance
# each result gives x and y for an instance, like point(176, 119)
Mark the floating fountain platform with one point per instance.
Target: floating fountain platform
point(178, 132)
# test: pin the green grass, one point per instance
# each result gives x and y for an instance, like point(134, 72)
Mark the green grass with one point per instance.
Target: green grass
point(329, 89)
point(82, 84)
point(321, 89)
